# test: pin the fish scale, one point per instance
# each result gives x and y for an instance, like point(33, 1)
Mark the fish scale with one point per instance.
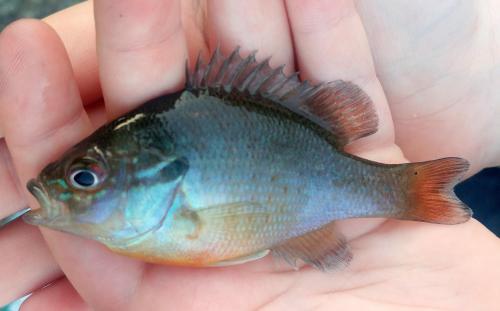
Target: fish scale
point(236, 165)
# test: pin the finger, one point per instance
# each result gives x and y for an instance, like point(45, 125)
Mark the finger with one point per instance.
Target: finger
point(40, 111)
point(75, 27)
point(331, 44)
point(26, 262)
point(32, 57)
point(79, 20)
point(141, 49)
point(97, 114)
point(194, 18)
point(58, 296)
point(46, 73)
point(11, 198)
point(23, 253)
point(253, 25)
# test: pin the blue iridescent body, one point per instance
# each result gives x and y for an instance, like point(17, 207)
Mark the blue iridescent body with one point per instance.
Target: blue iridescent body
point(256, 160)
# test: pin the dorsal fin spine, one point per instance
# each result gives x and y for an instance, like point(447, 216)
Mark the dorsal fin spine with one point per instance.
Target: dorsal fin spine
point(210, 67)
point(197, 70)
point(247, 83)
point(232, 58)
point(241, 68)
point(223, 69)
point(272, 75)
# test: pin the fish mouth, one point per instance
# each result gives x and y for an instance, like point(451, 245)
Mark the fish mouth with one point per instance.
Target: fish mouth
point(48, 211)
point(37, 190)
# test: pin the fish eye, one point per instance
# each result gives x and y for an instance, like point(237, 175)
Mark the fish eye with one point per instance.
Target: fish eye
point(86, 173)
point(84, 179)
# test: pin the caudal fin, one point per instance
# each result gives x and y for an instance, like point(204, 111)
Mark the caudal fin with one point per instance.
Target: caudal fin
point(430, 194)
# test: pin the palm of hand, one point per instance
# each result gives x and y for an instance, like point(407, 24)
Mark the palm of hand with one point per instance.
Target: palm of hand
point(397, 264)
point(439, 71)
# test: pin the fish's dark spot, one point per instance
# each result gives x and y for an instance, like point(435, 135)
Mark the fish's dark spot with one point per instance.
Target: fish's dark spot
point(415, 173)
point(269, 198)
point(274, 178)
point(285, 189)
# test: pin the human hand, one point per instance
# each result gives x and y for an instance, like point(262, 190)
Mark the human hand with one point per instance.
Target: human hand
point(140, 56)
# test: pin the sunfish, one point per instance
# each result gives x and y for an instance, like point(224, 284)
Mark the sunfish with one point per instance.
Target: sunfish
point(244, 161)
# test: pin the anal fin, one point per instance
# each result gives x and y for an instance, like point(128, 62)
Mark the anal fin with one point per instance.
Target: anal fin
point(324, 248)
point(240, 260)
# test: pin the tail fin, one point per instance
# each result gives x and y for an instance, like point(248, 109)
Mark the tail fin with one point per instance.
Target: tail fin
point(430, 194)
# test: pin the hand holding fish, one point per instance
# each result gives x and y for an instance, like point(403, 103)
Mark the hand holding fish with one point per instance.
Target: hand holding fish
point(141, 50)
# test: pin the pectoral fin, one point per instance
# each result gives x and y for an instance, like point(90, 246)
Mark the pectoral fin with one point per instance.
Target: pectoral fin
point(324, 248)
point(236, 224)
point(247, 216)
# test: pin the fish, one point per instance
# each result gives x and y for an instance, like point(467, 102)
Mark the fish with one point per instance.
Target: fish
point(243, 162)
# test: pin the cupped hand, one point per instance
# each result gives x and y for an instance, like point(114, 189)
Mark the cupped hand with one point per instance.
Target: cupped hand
point(50, 97)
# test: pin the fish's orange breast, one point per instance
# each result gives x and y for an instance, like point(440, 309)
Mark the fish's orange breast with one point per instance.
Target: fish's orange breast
point(200, 259)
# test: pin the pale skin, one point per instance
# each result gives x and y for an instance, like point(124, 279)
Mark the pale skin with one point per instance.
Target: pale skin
point(441, 99)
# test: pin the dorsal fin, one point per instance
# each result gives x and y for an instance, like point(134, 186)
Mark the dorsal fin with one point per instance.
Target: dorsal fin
point(338, 106)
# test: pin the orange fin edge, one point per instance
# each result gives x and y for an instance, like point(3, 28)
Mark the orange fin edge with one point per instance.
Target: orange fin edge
point(431, 195)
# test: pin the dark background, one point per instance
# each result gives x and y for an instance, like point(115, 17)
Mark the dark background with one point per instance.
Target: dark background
point(481, 192)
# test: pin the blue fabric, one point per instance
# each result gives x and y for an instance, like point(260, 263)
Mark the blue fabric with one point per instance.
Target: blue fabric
point(482, 193)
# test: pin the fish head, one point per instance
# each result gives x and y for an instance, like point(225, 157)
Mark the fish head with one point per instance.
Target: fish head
point(113, 192)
